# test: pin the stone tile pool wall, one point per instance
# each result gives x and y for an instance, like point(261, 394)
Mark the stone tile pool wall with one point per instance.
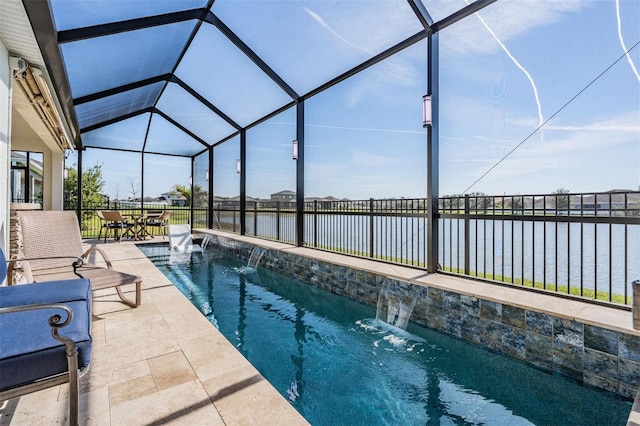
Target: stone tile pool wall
point(590, 355)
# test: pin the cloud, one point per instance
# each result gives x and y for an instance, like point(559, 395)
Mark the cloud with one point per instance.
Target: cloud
point(622, 43)
point(569, 151)
point(508, 20)
point(370, 29)
point(382, 79)
point(517, 64)
point(363, 158)
point(327, 27)
point(626, 124)
point(364, 129)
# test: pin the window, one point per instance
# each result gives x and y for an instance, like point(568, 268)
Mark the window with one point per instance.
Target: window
point(27, 175)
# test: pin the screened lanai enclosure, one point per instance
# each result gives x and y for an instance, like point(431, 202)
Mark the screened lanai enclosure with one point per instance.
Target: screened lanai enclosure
point(495, 139)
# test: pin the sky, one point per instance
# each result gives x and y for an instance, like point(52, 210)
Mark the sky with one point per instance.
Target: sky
point(534, 96)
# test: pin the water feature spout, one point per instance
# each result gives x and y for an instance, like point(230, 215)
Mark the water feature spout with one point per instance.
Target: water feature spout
point(395, 305)
point(252, 264)
point(254, 258)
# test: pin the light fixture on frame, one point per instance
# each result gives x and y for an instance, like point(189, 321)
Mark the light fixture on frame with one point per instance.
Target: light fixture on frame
point(426, 111)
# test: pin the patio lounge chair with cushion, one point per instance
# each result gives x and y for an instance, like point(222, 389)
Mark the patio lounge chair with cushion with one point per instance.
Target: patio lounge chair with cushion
point(55, 236)
point(33, 354)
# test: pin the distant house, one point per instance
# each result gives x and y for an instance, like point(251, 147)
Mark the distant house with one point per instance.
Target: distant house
point(285, 195)
point(610, 200)
point(218, 200)
point(172, 198)
point(234, 202)
point(324, 202)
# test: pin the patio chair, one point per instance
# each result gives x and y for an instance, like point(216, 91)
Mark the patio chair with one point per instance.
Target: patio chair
point(34, 355)
point(181, 240)
point(49, 238)
point(103, 225)
point(160, 222)
point(117, 224)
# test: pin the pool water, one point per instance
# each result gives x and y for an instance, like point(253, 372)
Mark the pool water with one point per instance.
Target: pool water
point(338, 365)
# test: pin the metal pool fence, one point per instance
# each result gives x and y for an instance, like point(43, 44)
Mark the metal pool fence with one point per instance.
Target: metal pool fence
point(91, 224)
point(579, 244)
point(585, 245)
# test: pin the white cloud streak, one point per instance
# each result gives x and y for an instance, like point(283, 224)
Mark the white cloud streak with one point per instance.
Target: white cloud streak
point(392, 72)
point(327, 27)
point(624, 47)
point(518, 65)
point(509, 22)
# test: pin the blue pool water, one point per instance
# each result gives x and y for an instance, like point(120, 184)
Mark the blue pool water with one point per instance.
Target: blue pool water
point(338, 365)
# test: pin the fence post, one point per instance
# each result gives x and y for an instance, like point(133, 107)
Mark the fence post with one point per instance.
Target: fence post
point(255, 218)
point(636, 304)
point(234, 219)
point(278, 220)
point(467, 234)
point(315, 223)
point(371, 227)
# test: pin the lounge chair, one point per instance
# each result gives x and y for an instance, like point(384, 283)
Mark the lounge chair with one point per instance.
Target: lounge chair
point(181, 240)
point(50, 238)
point(33, 354)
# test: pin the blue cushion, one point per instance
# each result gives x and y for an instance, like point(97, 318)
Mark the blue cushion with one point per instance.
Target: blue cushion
point(3, 266)
point(45, 292)
point(27, 350)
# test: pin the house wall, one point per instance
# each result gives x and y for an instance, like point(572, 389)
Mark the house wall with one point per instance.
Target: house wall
point(595, 356)
point(5, 147)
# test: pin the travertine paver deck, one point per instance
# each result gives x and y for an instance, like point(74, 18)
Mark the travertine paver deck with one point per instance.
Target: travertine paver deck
point(160, 363)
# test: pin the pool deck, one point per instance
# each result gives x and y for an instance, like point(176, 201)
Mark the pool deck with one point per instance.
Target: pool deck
point(160, 363)
point(164, 363)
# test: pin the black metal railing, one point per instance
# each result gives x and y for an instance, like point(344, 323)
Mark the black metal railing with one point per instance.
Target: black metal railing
point(273, 220)
point(584, 245)
point(91, 225)
point(577, 244)
point(388, 230)
point(35, 199)
point(226, 216)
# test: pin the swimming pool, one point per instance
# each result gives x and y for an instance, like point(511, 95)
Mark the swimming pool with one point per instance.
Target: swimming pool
point(337, 364)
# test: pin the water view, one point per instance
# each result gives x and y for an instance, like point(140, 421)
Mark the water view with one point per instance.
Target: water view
point(585, 256)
